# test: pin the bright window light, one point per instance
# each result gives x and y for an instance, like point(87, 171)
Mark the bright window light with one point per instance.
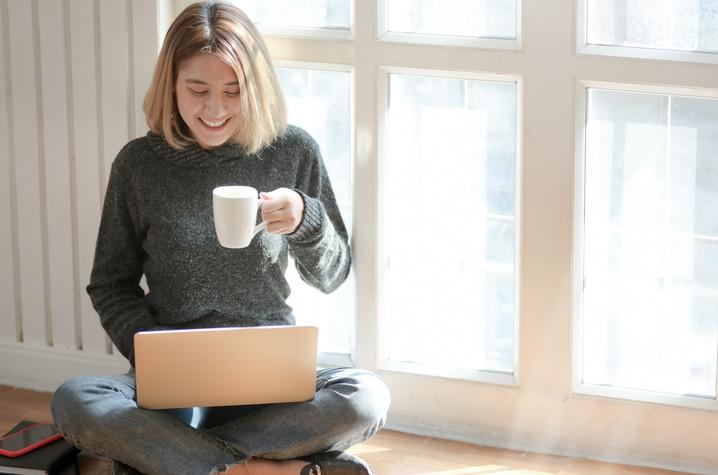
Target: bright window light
point(331, 14)
point(682, 25)
point(471, 18)
point(451, 222)
point(319, 101)
point(650, 298)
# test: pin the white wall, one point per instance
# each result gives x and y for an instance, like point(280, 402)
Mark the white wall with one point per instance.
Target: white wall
point(74, 73)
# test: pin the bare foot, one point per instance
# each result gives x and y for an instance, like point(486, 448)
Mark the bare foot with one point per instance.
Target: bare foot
point(267, 467)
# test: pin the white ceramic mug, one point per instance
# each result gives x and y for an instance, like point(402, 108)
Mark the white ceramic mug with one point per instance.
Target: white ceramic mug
point(235, 215)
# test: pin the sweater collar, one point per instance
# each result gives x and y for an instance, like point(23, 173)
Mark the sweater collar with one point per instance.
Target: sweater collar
point(194, 156)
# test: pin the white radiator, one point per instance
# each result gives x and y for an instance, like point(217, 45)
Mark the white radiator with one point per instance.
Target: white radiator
point(73, 76)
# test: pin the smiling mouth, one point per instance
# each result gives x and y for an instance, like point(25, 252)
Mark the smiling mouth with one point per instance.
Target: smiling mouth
point(214, 124)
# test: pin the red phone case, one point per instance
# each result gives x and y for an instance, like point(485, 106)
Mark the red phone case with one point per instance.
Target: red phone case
point(28, 448)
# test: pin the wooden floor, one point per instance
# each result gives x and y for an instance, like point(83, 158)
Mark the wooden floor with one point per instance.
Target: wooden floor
point(388, 452)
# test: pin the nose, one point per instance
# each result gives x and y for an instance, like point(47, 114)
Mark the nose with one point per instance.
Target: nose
point(215, 106)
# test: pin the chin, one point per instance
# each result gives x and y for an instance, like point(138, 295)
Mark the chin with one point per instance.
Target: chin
point(211, 140)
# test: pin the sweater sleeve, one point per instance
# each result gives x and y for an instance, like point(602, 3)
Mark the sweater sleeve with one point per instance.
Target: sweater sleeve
point(114, 282)
point(320, 242)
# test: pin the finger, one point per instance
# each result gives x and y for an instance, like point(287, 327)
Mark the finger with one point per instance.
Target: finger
point(266, 200)
point(273, 211)
point(273, 217)
point(281, 204)
point(274, 220)
point(277, 208)
point(279, 221)
point(277, 227)
point(275, 203)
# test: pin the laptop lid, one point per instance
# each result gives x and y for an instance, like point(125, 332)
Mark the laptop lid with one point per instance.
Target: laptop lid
point(225, 366)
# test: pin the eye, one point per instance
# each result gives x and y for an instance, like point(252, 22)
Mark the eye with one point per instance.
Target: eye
point(197, 93)
point(232, 93)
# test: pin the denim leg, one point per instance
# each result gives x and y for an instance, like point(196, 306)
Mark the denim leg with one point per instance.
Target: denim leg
point(350, 406)
point(100, 414)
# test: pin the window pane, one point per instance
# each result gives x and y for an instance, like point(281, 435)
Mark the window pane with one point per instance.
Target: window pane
point(650, 306)
point(298, 13)
point(477, 18)
point(319, 102)
point(450, 227)
point(685, 25)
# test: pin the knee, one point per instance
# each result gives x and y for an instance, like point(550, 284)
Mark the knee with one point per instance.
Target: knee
point(378, 397)
point(67, 404)
point(371, 400)
point(66, 401)
point(77, 402)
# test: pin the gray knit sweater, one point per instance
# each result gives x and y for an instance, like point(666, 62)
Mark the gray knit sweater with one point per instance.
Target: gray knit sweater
point(157, 221)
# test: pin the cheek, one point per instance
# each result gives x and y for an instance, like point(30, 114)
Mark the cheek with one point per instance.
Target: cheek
point(234, 105)
point(187, 106)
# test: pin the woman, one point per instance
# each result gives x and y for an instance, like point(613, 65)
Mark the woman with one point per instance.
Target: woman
point(216, 117)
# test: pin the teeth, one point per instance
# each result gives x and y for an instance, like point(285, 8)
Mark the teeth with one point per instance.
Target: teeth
point(213, 123)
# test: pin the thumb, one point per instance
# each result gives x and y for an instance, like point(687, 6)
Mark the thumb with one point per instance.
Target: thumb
point(265, 195)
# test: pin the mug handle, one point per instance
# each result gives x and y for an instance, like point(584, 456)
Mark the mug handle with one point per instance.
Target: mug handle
point(261, 225)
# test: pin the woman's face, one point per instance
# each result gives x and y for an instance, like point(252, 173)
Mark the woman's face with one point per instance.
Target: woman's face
point(207, 94)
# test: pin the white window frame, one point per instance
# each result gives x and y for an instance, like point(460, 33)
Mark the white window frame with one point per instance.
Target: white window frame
point(307, 33)
point(383, 34)
point(383, 361)
point(584, 48)
point(578, 386)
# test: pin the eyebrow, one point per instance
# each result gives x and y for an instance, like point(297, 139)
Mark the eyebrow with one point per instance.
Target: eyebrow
point(197, 81)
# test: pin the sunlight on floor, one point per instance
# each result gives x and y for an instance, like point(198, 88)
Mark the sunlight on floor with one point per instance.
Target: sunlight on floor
point(363, 449)
point(416, 455)
point(487, 469)
point(470, 470)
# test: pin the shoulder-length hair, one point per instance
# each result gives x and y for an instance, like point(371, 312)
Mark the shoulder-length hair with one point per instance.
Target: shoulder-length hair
point(226, 32)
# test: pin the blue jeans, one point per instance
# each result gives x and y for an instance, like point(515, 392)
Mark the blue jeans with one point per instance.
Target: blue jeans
point(100, 414)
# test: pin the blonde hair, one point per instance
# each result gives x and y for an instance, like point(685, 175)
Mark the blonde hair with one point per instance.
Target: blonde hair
point(226, 32)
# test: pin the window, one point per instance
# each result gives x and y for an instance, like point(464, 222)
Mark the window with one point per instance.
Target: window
point(319, 100)
point(304, 18)
point(649, 29)
point(450, 224)
point(650, 242)
point(475, 23)
point(646, 242)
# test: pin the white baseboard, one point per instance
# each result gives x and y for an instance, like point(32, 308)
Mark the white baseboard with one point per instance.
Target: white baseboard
point(521, 443)
point(44, 368)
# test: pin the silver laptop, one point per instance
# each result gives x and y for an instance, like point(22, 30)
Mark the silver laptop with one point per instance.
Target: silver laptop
point(225, 366)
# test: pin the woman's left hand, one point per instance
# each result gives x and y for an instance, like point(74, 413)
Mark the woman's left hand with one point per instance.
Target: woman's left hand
point(282, 210)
